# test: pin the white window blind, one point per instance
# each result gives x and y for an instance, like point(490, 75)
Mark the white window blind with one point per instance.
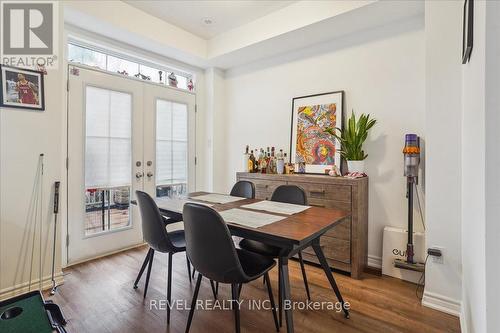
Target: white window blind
point(108, 144)
point(171, 142)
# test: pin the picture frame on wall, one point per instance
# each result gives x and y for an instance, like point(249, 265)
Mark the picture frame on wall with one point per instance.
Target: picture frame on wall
point(21, 88)
point(468, 30)
point(310, 147)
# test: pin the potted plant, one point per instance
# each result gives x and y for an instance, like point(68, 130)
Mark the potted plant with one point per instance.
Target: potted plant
point(352, 138)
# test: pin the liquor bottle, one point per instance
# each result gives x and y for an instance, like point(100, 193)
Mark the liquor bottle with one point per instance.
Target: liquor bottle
point(261, 158)
point(251, 162)
point(273, 161)
point(250, 165)
point(280, 163)
point(246, 159)
point(268, 164)
point(263, 163)
point(256, 161)
point(287, 164)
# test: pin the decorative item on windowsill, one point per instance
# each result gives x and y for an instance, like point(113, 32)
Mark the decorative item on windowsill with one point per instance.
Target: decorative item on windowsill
point(123, 72)
point(172, 80)
point(142, 76)
point(190, 85)
point(352, 138)
point(160, 76)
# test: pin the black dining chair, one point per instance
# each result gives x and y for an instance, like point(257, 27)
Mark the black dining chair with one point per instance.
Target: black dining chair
point(155, 234)
point(244, 189)
point(211, 250)
point(288, 194)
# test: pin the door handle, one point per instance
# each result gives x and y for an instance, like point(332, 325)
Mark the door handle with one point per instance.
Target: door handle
point(150, 174)
point(139, 175)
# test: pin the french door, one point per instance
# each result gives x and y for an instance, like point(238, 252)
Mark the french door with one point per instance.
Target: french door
point(123, 135)
point(169, 141)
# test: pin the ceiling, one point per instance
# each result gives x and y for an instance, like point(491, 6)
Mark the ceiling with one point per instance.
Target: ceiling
point(226, 15)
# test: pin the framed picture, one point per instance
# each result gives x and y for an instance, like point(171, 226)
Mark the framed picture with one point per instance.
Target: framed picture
point(468, 30)
point(21, 88)
point(309, 144)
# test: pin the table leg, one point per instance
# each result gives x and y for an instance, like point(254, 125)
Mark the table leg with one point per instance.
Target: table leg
point(286, 294)
point(329, 275)
point(280, 292)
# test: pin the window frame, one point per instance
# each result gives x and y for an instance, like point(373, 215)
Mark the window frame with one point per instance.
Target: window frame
point(136, 60)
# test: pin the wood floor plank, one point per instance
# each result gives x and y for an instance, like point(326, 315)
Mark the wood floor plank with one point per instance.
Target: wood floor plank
point(98, 297)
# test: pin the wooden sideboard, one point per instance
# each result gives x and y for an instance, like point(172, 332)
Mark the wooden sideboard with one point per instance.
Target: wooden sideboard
point(346, 245)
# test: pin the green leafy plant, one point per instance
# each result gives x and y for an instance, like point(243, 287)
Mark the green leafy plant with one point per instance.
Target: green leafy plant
point(353, 136)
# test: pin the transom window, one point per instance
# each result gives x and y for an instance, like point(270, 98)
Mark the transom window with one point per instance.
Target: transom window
point(93, 58)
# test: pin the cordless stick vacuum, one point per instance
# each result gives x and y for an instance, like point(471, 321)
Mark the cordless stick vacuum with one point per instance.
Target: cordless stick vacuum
point(56, 211)
point(411, 153)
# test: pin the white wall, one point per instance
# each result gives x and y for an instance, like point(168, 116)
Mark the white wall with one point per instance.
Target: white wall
point(215, 130)
point(23, 136)
point(382, 72)
point(443, 34)
point(480, 182)
point(492, 119)
point(473, 179)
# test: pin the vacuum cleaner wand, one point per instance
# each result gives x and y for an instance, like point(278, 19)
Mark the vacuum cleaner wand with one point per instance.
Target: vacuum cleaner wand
point(411, 153)
point(56, 211)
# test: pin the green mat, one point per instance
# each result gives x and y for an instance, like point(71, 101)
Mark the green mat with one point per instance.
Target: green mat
point(33, 319)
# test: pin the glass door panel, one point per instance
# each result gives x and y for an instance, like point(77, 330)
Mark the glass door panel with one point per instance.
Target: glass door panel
point(171, 148)
point(108, 159)
point(169, 141)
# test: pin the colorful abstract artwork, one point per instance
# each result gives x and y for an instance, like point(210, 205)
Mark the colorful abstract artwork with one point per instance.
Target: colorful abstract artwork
point(310, 144)
point(313, 145)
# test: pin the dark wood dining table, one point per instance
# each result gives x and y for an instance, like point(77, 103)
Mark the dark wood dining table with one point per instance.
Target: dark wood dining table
point(292, 234)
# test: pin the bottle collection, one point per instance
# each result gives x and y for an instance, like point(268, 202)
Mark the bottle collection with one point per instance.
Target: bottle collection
point(266, 161)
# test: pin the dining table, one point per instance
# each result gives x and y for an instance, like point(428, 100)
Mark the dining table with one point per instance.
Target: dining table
point(292, 233)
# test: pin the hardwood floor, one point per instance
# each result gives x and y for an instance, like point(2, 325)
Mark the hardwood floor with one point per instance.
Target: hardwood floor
point(98, 297)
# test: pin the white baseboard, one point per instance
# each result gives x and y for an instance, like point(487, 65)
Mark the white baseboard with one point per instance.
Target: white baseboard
point(24, 287)
point(464, 328)
point(375, 261)
point(442, 303)
point(107, 254)
point(464, 315)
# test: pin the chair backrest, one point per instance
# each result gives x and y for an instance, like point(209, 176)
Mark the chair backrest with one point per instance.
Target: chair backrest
point(209, 245)
point(292, 194)
point(153, 228)
point(244, 189)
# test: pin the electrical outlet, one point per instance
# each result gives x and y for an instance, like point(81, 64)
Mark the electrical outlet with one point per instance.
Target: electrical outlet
point(436, 259)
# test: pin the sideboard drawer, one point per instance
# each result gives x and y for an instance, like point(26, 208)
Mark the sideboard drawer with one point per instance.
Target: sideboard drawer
point(333, 248)
point(329, 204)
point(341, 230)
point(327, 192)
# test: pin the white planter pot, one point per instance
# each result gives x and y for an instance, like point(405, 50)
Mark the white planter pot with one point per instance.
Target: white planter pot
point(356, 166)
